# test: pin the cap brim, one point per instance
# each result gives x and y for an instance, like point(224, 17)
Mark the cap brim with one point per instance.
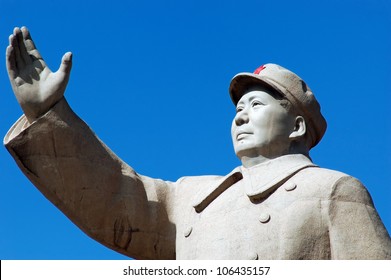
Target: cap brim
point(241, 82)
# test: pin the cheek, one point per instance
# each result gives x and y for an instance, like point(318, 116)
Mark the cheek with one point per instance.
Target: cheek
point(274, 124)
point(264, 120)
point(282, 124)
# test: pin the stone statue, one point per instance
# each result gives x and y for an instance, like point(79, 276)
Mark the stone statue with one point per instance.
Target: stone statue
point(277, 205)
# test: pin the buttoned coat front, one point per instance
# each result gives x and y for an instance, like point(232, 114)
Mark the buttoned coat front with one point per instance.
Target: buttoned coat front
point(287, 208)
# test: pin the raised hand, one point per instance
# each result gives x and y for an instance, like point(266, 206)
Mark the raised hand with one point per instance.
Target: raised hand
point(35, 86)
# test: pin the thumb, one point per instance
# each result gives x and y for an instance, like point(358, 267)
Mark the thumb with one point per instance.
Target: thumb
point(66, 63)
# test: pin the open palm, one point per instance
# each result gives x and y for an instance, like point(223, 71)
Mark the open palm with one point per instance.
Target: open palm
point(35, 86)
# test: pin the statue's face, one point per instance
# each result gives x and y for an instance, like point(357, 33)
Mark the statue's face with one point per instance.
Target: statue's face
point(261, 126)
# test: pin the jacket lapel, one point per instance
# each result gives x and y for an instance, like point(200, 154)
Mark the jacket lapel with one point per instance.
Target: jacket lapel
point(259, 181)
point(263, 179)
point(206, 196)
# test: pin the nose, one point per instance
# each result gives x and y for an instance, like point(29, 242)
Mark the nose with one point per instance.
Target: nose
point(241, 117)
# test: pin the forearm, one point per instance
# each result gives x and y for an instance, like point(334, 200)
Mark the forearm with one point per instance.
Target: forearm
point(85, 180)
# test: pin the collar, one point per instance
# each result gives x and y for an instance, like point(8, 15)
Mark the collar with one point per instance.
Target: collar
point(259, 181)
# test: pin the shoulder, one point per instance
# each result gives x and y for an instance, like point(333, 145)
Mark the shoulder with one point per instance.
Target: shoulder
point(328, 176)
point(333, 185)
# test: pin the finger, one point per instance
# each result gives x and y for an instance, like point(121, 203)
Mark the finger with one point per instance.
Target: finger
point(22, 48)
point(29, 43)
point(14, 43)
point(66, 63)
point(11, 63)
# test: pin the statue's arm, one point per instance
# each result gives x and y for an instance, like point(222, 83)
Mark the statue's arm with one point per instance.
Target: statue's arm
point(355, 228)
point(64, 159)
point(102, 195)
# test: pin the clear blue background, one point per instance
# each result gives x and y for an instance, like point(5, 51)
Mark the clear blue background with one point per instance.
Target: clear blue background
point(151, 78)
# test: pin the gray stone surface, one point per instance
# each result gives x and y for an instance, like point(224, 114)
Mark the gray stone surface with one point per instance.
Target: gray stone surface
point(277, 205)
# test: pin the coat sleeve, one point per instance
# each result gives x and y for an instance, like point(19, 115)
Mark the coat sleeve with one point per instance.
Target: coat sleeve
point(103, 196)
point(355, 228)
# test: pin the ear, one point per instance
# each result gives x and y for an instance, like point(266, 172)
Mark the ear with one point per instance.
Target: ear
point(299, 129)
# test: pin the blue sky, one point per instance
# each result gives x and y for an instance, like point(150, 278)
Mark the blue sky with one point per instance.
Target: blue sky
point(151, 79)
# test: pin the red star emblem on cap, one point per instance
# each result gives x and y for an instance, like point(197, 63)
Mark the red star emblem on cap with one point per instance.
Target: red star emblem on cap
point(259, 69)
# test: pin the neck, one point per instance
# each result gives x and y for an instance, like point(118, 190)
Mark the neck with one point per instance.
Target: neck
point(252, 161)
point(253, 157)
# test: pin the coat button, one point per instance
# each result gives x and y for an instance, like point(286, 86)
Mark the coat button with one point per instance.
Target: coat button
point(188, 231)
point(252, 256)
point(290, 186)
point(264, 218)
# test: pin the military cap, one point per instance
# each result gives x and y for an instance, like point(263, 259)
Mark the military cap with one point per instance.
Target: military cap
point(292, 88)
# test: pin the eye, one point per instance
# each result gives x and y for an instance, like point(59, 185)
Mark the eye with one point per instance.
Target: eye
point(256, 103)
point(239, 109)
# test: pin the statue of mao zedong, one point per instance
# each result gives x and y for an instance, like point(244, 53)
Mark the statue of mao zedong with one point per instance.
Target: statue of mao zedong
point(277, 205)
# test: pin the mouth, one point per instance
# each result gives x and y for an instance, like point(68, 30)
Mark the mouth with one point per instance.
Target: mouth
point(242, 135)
